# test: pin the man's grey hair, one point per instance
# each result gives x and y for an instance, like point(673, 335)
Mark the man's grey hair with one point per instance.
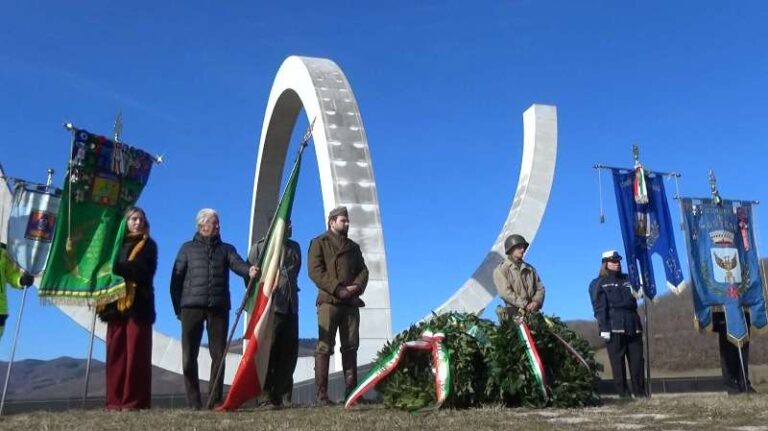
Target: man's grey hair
point(204, 214)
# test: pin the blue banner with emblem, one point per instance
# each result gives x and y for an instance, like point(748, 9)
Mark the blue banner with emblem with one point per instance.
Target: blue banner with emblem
point(646, 228)
point(724, 265)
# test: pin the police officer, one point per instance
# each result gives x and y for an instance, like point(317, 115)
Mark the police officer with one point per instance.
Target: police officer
point(337, 267)
point(517, 282)
point(615, 307)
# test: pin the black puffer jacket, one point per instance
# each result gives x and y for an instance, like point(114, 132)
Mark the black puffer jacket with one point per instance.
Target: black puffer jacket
point(200, 276)
point(614, 305)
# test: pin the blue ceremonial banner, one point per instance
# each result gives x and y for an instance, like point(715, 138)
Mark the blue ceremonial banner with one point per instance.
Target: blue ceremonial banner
point(725, 270)
point(30, 226)
point(646, 228)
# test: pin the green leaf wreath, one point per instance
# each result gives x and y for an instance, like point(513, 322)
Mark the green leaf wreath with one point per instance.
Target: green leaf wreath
point(489, 365)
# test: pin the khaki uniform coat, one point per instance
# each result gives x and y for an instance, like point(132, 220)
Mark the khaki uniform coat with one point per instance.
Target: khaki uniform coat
point(518, 286)
point(336, 261)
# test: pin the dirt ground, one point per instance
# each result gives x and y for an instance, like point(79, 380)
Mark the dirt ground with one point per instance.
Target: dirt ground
point(662, 412)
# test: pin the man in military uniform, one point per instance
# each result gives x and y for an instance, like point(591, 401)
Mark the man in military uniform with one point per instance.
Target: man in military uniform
point(285, 321)
point(517, 282)
point(337, 267)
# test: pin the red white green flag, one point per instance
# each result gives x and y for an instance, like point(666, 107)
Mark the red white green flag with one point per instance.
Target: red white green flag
point(252, 371)
point(534, 359)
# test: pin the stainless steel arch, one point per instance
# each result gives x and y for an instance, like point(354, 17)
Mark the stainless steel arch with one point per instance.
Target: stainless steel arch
point(346, 177)
point(534, 184)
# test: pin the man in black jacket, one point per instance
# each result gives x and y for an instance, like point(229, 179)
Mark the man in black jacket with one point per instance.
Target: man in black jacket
point(200, 295)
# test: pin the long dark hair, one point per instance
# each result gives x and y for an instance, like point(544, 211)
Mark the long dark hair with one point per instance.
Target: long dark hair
point(605, 271)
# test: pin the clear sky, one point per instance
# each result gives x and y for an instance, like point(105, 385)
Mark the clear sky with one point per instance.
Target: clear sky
point(441, 86)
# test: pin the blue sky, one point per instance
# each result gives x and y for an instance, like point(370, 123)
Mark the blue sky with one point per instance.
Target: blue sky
point(441, 85)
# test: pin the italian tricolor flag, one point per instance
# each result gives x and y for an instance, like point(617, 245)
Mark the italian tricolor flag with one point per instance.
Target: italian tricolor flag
point(252, 371)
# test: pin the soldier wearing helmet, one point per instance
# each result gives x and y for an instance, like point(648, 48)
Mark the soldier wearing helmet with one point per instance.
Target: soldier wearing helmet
point(517, 282)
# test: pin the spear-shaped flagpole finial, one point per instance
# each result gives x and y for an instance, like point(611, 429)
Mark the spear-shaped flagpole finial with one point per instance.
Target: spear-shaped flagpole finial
point(716, 199)
point(118, 127)
point(636, 154)
point(308, 133)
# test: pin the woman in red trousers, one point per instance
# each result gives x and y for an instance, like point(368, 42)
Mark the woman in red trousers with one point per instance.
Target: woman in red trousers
point(130, 318)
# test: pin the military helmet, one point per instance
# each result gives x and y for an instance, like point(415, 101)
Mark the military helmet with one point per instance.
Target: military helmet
point(514, 240)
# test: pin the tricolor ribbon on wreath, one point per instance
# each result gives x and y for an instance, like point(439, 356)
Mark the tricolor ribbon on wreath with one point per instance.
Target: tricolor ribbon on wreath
point(441, 361)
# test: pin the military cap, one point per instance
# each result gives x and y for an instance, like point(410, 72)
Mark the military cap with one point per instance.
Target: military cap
point(338, 211)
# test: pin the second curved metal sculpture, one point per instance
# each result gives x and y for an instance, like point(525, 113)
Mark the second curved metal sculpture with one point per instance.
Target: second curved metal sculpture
point(537, 171)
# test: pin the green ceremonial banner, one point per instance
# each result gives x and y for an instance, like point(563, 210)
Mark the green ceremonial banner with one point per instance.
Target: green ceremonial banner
point(104, 178)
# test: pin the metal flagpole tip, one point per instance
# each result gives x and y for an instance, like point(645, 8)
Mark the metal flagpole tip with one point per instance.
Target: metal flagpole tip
point(69, 126)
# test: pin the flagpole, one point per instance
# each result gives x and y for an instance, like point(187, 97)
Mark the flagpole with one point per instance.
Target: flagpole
point(13, 350)
point(648, 385)
point(117, 130)
point(90, 355)
point(219, 370)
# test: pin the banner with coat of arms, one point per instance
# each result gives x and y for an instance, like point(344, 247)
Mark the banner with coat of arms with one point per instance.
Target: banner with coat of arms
point(724, 265)
point(32, 220)
point(104, 178)
point(646, 228)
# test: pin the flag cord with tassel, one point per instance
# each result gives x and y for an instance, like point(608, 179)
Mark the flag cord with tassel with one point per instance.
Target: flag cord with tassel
point(600, 193)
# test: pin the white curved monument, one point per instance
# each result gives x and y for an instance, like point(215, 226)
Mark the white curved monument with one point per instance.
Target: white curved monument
point(6, 197)
point(346, 178)
point(319, 87)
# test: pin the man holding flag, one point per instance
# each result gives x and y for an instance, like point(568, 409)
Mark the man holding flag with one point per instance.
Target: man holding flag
point(285, 323)
point(337, 267)
point(251, 374)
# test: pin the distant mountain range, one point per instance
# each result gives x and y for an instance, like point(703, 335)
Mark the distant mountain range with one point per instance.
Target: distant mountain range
point(64, 377)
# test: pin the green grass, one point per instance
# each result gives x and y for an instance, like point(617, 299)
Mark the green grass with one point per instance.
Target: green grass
point(682, 412)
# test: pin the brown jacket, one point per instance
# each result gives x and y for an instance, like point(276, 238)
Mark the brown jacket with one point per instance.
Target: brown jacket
point(336, 261)
point(518, 287)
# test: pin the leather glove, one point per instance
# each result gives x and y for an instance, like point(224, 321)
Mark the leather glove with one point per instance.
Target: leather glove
point(605, 336)
point(27, 279)
point(342, 292)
